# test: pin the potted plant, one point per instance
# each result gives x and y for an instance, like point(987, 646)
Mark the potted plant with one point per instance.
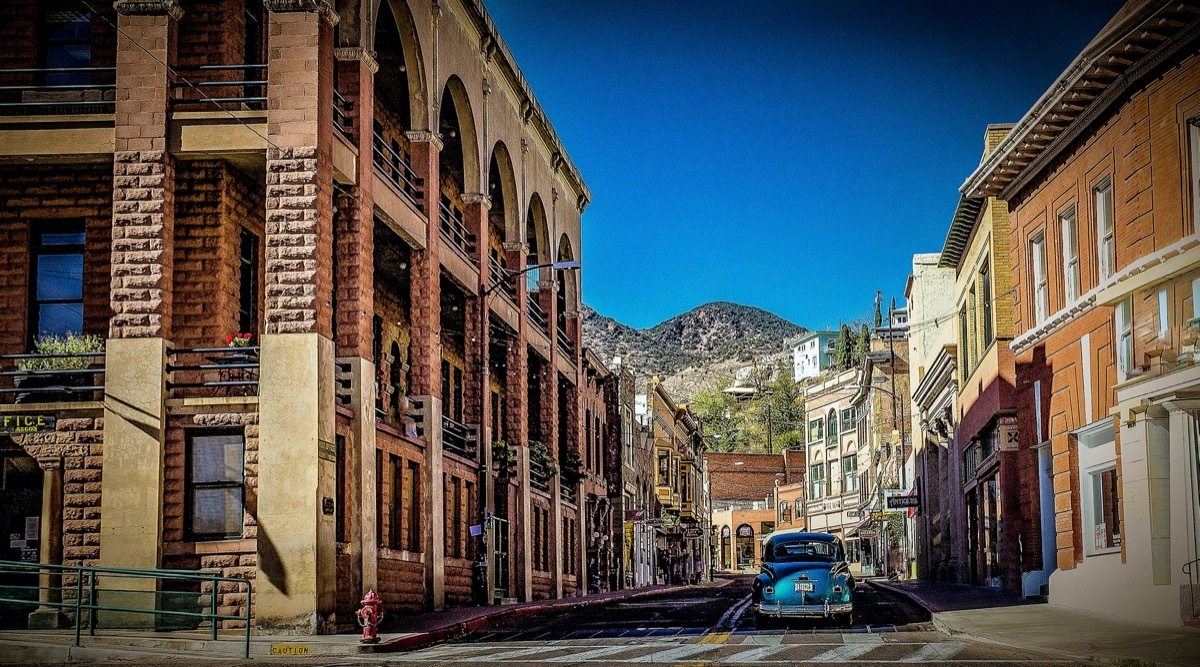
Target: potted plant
point(541, 460)
point(504, 457)
point(63, 352)
point(571, 469)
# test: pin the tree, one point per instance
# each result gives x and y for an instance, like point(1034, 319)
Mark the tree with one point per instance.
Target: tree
point(864, 345)
point(720, 418)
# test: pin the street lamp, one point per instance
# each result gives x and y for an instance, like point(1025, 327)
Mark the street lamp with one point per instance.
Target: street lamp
point(557, 266)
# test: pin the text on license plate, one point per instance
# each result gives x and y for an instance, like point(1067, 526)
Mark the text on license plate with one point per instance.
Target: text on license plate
point(806, 586)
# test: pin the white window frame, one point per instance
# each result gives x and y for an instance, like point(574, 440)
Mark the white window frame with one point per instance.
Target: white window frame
point(1194, 133)
point(1069, 222)
point(1123, 330)
point(1106, 244)
point(1097, 454)
point(1164, 313)
point(1041, 284)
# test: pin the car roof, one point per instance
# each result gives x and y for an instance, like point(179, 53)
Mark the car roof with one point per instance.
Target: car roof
point(804, 537)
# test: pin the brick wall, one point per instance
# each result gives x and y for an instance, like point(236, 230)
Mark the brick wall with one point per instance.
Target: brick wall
point(401, 575)
point(48, 192)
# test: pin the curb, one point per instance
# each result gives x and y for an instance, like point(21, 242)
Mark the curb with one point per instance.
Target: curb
point(463, 628)
point(941, 626)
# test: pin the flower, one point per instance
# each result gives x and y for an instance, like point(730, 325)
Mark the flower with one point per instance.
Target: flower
point(238, 340)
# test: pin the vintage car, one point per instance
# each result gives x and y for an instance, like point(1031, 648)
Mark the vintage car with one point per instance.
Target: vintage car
point(804, 575)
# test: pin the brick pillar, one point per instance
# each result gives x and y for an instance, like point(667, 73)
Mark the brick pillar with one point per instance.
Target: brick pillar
point(50, 536)
point(433, 502)
point(354, 284)
point(426, 274)
point(522, 547)
point(295, 586)
point(142, 236)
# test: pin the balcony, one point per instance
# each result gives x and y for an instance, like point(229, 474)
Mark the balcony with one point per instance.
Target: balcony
point(220, 87)
point(209, 372)
point(460, 439)
point(498, 275)
point(53, 378)
point(67, 90)
point(396, 168)
point(454, 230)
point(537, 315)
point(569, 493)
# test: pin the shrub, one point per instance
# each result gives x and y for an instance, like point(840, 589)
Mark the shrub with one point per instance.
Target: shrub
point(71, 343)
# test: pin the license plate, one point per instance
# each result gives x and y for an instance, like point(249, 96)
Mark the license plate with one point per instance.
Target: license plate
point(804, 586)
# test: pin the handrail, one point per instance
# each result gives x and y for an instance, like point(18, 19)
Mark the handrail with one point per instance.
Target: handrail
point(220, 367)
point(537, 314)
point(341, 113)
point(454, 229)
point(40, 95)
point(500, 276)
point(92, 606)
point(458, 438)
point(1193, 572)
point(196, 78)
point(397, 169)
point(72, 382)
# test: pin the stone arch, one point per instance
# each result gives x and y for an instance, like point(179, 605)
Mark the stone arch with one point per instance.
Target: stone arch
point(502, 190)
point(537, 237)
point(400, 81)
point(459, 163)
point(568, 279)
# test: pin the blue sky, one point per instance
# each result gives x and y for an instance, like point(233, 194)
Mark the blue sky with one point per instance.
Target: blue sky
point(786, 155)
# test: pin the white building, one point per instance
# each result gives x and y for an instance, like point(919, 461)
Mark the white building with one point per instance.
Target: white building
point(811, 354)
point(833, 494)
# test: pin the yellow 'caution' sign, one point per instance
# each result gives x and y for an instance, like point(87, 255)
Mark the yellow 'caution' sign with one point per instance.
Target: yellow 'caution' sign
point(291, 649)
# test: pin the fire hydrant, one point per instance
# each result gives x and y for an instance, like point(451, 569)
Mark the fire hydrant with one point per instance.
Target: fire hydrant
point(369, 617)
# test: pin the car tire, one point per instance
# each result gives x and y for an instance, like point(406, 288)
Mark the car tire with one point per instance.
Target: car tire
point(763, 622)
point(846, 620)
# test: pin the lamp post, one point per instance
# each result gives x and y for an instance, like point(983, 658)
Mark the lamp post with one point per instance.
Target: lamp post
point(488, 495)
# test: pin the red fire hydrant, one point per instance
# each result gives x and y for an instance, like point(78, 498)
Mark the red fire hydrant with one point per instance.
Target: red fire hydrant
point(369, 617)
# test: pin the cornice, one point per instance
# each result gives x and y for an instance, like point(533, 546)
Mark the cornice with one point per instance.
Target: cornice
point(149, 8)
point(357, 53)
point(426, 137)
point(476, 198)
point(321, 7)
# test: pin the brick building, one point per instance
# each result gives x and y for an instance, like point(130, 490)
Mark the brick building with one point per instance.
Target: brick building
point(356, 186)
point(631, 495)
point(977, 249)
point(1100, 178)
point(744, 494)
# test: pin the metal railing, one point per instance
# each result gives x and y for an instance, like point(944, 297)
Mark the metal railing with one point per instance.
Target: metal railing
point(229, 370)
point(458, 438)
point(342, 108)
point(1192, 570)
point(498, 275)
point(539, 477)
point(537, 315)
point(454, 229)
point(36, 380)
point(44, 91)
point(204, 86)
point(397, 169)
point(83, 590)
point(565, 344)
point(569, 493)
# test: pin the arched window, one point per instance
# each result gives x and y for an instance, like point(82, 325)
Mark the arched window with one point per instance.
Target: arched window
point(832, 434)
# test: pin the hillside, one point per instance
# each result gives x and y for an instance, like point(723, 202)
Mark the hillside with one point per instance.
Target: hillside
point(688, 351)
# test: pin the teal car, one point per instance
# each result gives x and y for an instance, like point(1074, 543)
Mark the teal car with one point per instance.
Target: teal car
point(804, 575)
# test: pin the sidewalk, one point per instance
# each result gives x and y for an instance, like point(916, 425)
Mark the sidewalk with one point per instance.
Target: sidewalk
point(403, 632)
point(990, 615)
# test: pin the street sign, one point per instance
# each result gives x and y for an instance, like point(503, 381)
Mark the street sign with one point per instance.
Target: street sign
point(635, 515)
point(692, 533)
point(654, 523)
point(868, 533)
point(901, 502)
point(854, 513)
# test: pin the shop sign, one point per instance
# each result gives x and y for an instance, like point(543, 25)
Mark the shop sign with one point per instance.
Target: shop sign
point(901, 502)
point(12, 424)
point(635, 515)
point(868, 534)
point(745, 531)
point(654, 523)
point(670, 521)
point(692, 533)
point(854, 514)
point(327, 450)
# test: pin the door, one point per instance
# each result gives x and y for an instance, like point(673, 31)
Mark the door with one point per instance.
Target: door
point(500, 556)
point(20, 521)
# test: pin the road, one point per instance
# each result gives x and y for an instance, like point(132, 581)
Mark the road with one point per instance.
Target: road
point(714, 626)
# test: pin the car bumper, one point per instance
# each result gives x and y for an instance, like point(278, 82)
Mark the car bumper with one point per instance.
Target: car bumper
point(780, 610)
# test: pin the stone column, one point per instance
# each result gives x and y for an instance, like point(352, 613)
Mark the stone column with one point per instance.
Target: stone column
point(433, 503)
point(426, 274)
point(143, 231)
point(50, 539)
point(355, 289)
point(295, 585)
point(1182, 485)
point(522, 548)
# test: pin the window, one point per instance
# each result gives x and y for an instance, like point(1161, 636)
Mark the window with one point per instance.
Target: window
point(850, 473)
point(816, 481)
point(848, 419)
point(1041, 288)
point(1100, 488)
point(65, 42)
point(396, 475)
point(1124, 329)
point(1163, 313)
point(816, 430)
point(973, 326)
point(57, 279)
point(1194, 130)
point(962, 340)
point(414, 505)
point(664, 467)
point(985, 286)
point(785, 512)
point(248, 283)
point(831, 438)
point(1070, 249)
point(1107, 247)
point(215, 491)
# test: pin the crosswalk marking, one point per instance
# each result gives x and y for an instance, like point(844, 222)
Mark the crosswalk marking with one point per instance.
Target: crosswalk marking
point(677, 653)
point(931, 652)
point(526, 652)
point(593, 653)
point(845, 653)
point(715, 638)
point(755, 654)
point(763, 640)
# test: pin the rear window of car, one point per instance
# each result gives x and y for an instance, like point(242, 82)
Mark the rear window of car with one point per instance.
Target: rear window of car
point(807, 550)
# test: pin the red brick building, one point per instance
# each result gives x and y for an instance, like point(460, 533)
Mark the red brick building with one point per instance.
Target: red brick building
point(355, 185)
point(1100, 179)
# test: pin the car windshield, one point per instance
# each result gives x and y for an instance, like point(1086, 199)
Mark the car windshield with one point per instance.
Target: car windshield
point(806, 550)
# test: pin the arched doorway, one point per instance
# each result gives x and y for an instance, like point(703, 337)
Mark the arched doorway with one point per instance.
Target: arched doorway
point(745, 546)
point(726, 546)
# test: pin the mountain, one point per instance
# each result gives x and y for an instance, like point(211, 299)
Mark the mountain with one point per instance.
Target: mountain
point(691, 350)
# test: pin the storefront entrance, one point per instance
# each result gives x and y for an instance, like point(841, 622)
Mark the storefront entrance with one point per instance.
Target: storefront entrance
point(20, 520)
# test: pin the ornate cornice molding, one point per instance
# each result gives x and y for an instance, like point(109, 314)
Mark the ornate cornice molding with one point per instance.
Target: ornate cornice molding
point(357, 53)
point(149, 8)
point(50, 462)
point(516, 246)
point(320, 6)
point(426, 137)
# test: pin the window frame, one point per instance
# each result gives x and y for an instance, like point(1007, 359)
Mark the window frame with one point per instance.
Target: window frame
point(1106, 236)
point(38, 248)
point(190, 486)
point(985, 304)
point(1041, 278)
point(1068, 222)
point(1097, 453)
point(1123, 337)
